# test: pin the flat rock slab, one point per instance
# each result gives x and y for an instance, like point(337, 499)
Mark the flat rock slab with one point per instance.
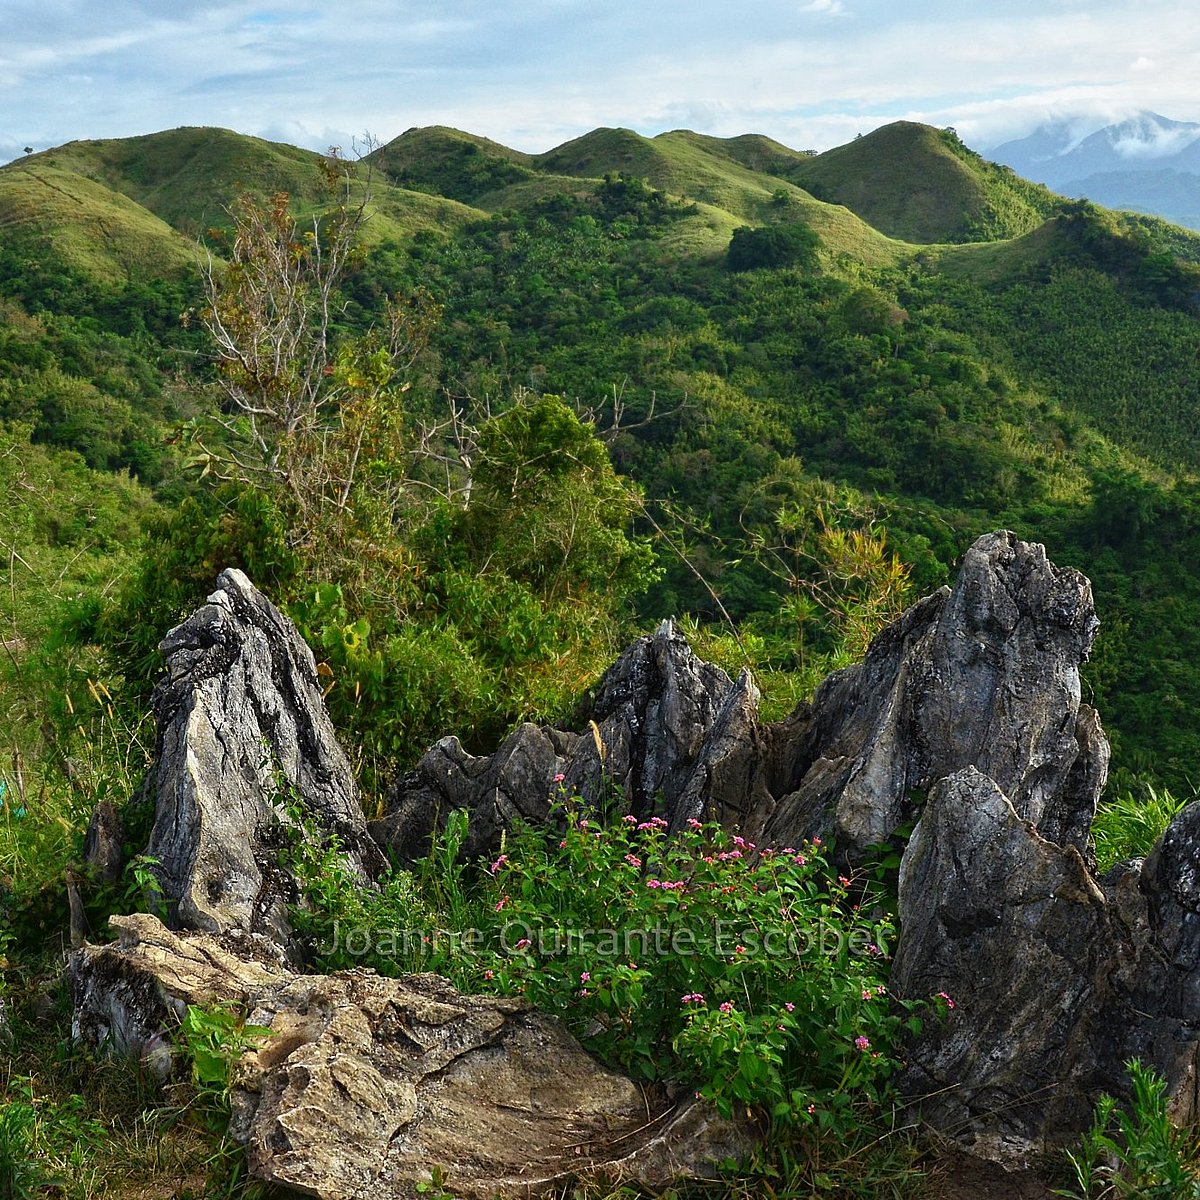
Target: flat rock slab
point(368, 1083)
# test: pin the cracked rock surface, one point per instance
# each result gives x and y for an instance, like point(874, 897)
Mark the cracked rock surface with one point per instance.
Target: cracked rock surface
point(243, 736)
point(665, 734)
point(365, 1084)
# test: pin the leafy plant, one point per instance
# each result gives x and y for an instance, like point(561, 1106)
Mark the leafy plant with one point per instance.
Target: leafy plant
point(747, 973)
point(20, 1176)
point(1139, 1154)
point(214, 1038)
point(1129, 826)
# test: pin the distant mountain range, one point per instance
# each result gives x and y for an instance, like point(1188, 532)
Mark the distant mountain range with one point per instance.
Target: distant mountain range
point(1147, 163)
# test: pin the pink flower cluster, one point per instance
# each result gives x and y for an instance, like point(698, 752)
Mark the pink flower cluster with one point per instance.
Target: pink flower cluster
point(693, 998)
point(949, 1002)
point(498, 863)
point(653, 823)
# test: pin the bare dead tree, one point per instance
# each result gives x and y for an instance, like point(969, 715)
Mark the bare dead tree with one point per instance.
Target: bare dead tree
point(300, 409)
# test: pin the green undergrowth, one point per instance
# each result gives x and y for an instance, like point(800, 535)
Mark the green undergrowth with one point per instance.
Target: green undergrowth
point(1129, 824)
point(755, 978)
point(81, 1127)
point(1135, 1153)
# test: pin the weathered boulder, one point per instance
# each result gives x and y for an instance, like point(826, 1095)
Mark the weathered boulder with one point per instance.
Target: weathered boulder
point(244, 745)
point(1015, 930)
point(663, 723)
point(368, 1083)
point(1058, 981)
point(666, 735)
point(516, 783)
point(983, 675)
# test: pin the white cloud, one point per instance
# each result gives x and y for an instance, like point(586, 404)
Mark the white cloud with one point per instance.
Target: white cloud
point(828, 8)
point(536, 73)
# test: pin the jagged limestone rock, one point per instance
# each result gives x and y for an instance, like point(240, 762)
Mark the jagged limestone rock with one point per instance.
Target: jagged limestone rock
point(658, 714)
point(666, 735)
point(366, 1084)
point(514, 784)
point(1057, 981)
point(242, 735)
point(985, 674)
point(1015, 930)
point(972, 696)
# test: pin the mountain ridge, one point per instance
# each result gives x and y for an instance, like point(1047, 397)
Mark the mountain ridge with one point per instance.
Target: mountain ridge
point(1145, 163)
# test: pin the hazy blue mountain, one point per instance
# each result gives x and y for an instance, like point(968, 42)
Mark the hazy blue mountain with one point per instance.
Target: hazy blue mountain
point(1148, 163)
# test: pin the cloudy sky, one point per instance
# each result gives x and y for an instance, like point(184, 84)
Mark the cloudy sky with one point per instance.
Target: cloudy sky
point(533, 73)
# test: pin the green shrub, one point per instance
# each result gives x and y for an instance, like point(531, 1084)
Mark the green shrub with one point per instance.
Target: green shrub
point(749, 975)
point(1138, 1154)
point(1129, 826)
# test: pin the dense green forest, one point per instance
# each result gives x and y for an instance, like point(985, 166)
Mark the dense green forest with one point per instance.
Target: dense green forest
point(767, 372)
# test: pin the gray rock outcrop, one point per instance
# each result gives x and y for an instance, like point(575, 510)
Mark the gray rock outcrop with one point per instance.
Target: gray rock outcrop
point(965, 716)
point(1057, 979)
point(244, 746)
point(365, 1083)
point(985, 674)
point(666, 735)
point(1014, 929)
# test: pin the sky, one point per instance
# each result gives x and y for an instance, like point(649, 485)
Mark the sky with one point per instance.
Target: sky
point(535, 73)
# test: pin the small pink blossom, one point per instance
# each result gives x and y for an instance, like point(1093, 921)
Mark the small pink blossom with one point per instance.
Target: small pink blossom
point(693, 823)
point(727, 1007)
point(653, 884)
point(498, 863)
point(739, 949)
point(584, 976)
point(862, 1043)
point(489, 974)
point(524, 944)
point(790, 1006)
point(949, 1002)
point(633, 860)
point(559, 777)
point(501, 903)
point(629, 819)
point(812, 1108)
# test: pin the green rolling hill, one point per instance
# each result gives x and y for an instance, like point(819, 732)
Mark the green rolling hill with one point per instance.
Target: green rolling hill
point(923, 340)
point(922, 185)
point(87, 225)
